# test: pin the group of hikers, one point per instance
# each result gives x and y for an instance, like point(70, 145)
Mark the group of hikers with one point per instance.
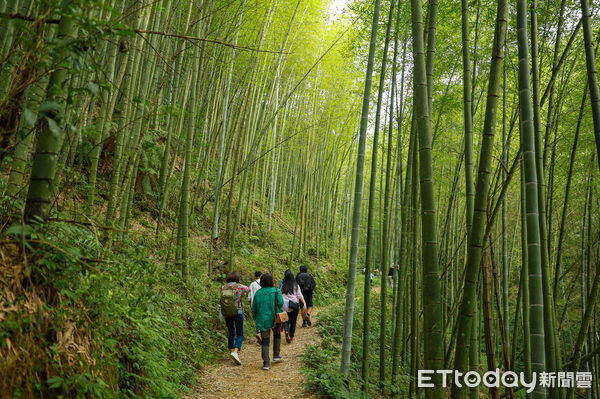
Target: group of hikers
point(375, 273)
point(273, 309)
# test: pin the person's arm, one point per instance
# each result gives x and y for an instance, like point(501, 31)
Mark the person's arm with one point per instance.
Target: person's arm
point(279, 301)
point(300, 296)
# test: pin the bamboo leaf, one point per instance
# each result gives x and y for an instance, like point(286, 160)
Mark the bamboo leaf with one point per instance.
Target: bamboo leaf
point(49, 107)
point(30, 116)
point(53, 126)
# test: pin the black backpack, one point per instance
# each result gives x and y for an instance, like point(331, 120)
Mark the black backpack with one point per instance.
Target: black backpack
point(312, 284)
point(306, 282)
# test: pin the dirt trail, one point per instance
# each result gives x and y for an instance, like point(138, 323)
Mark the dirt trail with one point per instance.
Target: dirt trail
point(283, 380)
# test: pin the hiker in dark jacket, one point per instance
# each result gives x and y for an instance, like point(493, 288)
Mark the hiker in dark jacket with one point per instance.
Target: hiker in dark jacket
point(307, 286)
point(263, 311)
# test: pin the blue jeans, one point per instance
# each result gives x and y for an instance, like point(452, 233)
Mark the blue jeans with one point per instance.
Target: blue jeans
point(235, 327)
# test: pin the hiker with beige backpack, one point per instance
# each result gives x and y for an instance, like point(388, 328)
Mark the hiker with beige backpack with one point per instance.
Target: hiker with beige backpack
point(233, 312)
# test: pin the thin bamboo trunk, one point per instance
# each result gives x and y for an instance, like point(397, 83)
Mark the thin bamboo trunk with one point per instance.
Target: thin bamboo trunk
point(476, 235)
point(351, 282)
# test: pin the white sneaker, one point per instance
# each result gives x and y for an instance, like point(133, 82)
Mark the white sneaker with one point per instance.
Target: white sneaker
point(265, 367)
point(277, 359)
point(235, 357)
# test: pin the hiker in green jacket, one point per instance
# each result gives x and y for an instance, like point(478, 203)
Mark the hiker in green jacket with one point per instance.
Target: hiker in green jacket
point(264, 303)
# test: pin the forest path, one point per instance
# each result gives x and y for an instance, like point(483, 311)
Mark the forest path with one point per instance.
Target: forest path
point(284, 380)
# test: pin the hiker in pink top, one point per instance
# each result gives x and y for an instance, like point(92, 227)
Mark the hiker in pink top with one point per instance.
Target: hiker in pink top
point(292, 298)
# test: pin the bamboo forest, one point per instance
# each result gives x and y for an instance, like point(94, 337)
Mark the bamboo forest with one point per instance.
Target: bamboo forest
point(179, 177)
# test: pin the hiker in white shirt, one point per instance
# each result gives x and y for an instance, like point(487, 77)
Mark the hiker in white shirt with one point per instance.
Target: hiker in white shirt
point(255, 286)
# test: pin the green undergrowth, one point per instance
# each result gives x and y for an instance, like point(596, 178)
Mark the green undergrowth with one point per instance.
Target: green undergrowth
point(121, 325)
point(89, 319)
point(323, 360)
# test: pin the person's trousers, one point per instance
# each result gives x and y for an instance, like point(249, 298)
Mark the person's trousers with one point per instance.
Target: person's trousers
point(266, 342)
point(290, 325)
point(308, 298)
point(235, 328)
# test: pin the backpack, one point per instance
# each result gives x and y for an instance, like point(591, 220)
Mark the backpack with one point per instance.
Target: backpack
point(312, 284)
point(306, 282)
point(228, 301)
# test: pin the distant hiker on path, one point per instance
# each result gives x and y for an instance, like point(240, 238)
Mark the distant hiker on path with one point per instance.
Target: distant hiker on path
point(255, 286)
point(266, 303)
point(391, 277)
point(307, 286)
point(231, 308)
point(292, 297)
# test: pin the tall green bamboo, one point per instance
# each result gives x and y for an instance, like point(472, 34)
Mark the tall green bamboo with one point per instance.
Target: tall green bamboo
point(370, 250)
point(505, 265)
point(525, 281)
point(549, 324)
point(592, 73)
point(351, 285)
point(469, 186)
point(584, 267)
point(536, 300)
point(476, 236)
point(184, 212)
point(432, 322)
point(25, 133)
point(563, 218)
point(102, 127)
point(387, 245)
point(224, 127)
point(50, 137)
point(401, 222)
point(467, 115)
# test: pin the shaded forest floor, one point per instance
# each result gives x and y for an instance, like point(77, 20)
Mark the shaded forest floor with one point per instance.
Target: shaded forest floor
point(284, 380)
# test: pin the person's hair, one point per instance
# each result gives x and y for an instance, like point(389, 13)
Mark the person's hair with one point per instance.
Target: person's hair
point(303, 269)
point(266, 280)
point(233, 277)
point(257, 274)
point(289, 282)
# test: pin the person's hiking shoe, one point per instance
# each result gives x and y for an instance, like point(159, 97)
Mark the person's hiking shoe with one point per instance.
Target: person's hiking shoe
point(304, 323)
point(235, 357)
point(266, 366)
point(308, 320)
point(291, 339)
point(277, 359)
point(287, 337)
point(259, 339)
